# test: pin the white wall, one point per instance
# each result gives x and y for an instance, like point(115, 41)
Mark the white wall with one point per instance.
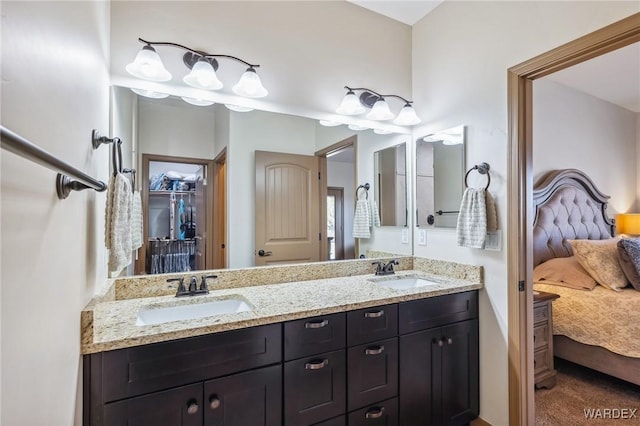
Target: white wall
point(55, 90)
point(572, 129)
point(461, 53)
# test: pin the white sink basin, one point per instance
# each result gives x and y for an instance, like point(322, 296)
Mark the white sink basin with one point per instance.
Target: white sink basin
point(148, 315)
point(404, 283)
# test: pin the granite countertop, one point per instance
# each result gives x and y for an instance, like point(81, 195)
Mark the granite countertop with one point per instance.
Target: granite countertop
point(111, 324)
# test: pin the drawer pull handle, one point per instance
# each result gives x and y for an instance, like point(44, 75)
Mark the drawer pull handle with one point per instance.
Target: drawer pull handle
point(374, 413)
point(214, 402)
point(192, 407)
point(374, 314)
point(374, 350)
point(316, 324)
point(316, 365)
point(441, 343)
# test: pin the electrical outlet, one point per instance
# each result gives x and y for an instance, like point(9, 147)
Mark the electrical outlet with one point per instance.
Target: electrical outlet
point(422, 237)
point(493, 241)
point(404, 239)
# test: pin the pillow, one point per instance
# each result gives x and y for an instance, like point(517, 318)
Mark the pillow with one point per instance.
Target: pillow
point(600, 259)
point(629, 257)
point(565, 272)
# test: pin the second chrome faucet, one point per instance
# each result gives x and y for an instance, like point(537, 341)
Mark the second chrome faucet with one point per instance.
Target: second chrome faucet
point(385, 269)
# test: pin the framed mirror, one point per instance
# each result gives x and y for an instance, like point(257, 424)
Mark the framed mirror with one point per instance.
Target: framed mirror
point(390, 173)
point(440, 168)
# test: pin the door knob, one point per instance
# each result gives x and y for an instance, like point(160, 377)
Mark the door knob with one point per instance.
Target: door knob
point(263, 253)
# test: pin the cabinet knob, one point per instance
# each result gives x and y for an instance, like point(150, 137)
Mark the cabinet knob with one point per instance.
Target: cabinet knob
point(450, 341)
point(214, 402)
point(377, 314)
point(316, 364)
point(192, 407)
point(374, 350)
point(374, 413)
point(441, 343)
point(316, 324)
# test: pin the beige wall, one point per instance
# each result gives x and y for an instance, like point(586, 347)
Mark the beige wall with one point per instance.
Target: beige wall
point(461, 53)
point(55, 90)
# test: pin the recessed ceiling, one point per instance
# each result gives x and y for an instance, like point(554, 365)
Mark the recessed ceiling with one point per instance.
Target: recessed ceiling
point(613, 77)
point(408, 12)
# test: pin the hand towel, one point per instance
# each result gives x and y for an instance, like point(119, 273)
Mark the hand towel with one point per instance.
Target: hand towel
point(492, 213)
point(471, 229)
point(375, 214)
point(362, 220)
point(109, 212)
point(136, 221)
point(120, 252)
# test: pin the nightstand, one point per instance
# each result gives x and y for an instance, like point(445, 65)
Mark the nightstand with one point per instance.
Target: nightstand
point(544, 373)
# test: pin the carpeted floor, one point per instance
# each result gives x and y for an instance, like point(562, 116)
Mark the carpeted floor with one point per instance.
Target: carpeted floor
point(579, 389)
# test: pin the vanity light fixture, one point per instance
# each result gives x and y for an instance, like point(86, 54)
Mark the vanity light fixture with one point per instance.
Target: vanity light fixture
point(150, 93)
point(382, 132)
point(328, 123)
point(353, 104)
point(197, 102)
point(238, 108)
point(148, 66)
point(357, 128)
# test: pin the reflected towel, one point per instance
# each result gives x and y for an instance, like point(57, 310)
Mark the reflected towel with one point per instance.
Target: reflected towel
point(120, 252)
point(109, 212)
point(472, 221)
point(136, 221)
point(362, 220)
point(375, 214)
point(492, 213)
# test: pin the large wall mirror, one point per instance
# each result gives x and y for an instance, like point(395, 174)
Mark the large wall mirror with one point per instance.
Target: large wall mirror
point(233, 146)
point(390, 173)
point(440, 168)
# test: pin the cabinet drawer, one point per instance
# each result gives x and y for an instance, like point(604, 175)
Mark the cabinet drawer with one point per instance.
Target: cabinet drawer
point(314, 388)
point(372, 373)
point(134, 371)
point(384, 413)
point(253, 398)
point(540, 313)
point(540, 334)
point(541, 361)
point(176, 407)
point(436, 311)
point(337, 421)
point(371, 324)
point(314, 335)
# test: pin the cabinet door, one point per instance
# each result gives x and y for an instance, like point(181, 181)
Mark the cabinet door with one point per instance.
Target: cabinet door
point(372, 373)
point(419, 379)
point(176, 407)
point(460, 388)
point(316, 335)
point(315, 388)
point(253, 398)
point(383, 413)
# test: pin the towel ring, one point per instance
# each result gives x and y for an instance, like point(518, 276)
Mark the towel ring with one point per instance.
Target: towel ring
point(483, 169)
point(366, 187)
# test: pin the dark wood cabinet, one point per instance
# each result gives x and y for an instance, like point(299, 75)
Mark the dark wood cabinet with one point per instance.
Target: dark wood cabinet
point(373, 373)
point(439, 368)
point(311, 336)
point(384, 413)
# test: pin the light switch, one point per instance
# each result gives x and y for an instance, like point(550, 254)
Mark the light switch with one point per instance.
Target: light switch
point(404, 239)
point(493, 241)
point(422, 237)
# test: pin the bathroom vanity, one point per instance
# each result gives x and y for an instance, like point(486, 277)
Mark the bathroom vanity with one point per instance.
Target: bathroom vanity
point(351, 350)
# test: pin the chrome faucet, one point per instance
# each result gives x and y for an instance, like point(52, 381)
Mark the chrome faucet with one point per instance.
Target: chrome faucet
point(193, 289)
point(385, 269)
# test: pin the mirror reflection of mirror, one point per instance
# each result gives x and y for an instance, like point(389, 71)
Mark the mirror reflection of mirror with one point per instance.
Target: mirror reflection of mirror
point(391, 185)
point(440, 177)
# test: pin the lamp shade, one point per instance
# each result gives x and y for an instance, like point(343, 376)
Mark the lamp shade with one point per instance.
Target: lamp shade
point(380, 111)
point(350, 105)
point(328, 123)
point(382, 132)
point(150, 93)
point(628, 223)
point(197, 102)
point(238, 108)
point(203, 76)
point(356, 127)
point(148, 66)
point(407, 116)
point(250, 85)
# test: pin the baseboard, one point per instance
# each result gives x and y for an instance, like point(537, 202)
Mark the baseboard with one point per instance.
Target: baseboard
point(479, 422)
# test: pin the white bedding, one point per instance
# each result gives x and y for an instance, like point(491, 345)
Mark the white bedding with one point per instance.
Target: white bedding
point(599, 317)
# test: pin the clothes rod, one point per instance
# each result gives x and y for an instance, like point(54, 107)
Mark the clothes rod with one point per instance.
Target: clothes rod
point(15, 143)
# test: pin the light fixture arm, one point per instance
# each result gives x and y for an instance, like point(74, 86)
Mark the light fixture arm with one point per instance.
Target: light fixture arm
point(364, 89)
point(197, 52)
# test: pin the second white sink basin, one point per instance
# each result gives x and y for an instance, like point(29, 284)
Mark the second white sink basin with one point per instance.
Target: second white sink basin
point(148, 315)
point(404, 283)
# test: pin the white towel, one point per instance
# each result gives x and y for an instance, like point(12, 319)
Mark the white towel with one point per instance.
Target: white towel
point(362, 220)
point(120, 252)
point(375, 214)
point(109, 212)
point(472, 220)
point(136, 221)
point(492, 213)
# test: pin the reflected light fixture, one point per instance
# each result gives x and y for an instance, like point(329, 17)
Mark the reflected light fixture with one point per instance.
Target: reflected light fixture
point(238, 108)
point(197, 102)
point(382, 132)
point(150, 93)
point(356, 127)
point(377, 105)
point(203, 66)
point(328, 123)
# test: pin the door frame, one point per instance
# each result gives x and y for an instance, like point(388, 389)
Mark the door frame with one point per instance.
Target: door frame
point(219, 229)
point(520, 197)
point(140, 268)
point(338, 193)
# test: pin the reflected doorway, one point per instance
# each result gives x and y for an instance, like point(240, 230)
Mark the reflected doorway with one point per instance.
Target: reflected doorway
point(335, 222)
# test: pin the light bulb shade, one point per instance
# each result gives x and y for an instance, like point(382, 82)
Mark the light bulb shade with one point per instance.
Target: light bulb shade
point(381, 132)
point(356, 127)
point(148, 66)
point(203, 76)
point(238, 108)
point(250, 85)
point(350, 105)
point(328, 123)
point(150, 93)
point(407, 116)
point(380, 111)
point(197, 102)
point(628, 223)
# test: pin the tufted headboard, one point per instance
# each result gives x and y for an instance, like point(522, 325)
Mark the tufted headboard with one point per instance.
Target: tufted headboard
point(567, 206)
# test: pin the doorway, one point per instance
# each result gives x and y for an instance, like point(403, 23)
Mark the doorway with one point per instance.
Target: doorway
point(335, 222)
point(520, 211)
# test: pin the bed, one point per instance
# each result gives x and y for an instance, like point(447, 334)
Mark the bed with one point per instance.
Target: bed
point(597, 328)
